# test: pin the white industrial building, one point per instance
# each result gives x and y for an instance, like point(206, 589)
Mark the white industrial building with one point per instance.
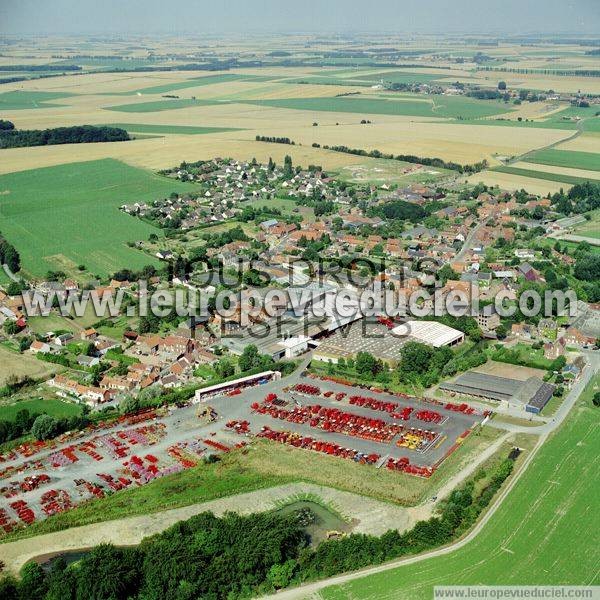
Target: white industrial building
point(431, 333)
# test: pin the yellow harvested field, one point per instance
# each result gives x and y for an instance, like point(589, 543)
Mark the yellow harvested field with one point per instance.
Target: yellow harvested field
point(21, 365)
point(558, 170)
point(160, 153)
point(588, 142)
point(509, 182)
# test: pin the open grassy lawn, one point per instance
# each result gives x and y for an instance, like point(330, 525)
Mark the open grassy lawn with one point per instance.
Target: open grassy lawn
point(566, 158)
point(591, 228)
point(174, 129)
point(159, 105)
point(524, 354)
point(21, 365)
point(545, 533)
point(566, 179)
point(64, 216)
point(18, 100)
point(54, 407)
point(416, 106)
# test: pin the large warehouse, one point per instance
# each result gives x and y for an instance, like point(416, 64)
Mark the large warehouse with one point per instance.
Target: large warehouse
point(431, 333)
point(533, 393)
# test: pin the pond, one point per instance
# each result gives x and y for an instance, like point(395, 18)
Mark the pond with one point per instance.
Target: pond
point(316, 520)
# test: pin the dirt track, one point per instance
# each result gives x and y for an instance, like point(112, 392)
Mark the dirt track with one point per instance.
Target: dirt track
point(372, 517)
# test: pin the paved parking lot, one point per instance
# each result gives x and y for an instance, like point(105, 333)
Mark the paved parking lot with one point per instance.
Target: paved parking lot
point(96, 462)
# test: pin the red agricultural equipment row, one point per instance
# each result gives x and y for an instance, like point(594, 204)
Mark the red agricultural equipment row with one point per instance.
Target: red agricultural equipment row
point(217, 445)
point(23, 511)
point(55, 501)
point(91, 488)
point(140, 417)
point(181, 456)
point(89, 448)
point(462, 408)
point(63, 457)
point(29, 483)
point(307, 388)
point(309, 443)
point(394, 409)
point(115, 484)
point(404, 465)
point(429, 416)
point(333, 420)
point(241, 427)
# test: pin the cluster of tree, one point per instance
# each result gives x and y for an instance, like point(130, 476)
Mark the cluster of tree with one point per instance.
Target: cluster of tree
point(587, 268)
point(239, 556)
point(581, 198)
point(259, 213)
point(488, 95)
point(80, 134)
point(6, 125)
point(275, 140)
point(313, 248)
point(402, 210)
point(251, 359)
point(560, 72)
point(144, 273)
point(218, 240)
point(41, 425)
point(411, 158)
point(423, 364)
point(9, 255)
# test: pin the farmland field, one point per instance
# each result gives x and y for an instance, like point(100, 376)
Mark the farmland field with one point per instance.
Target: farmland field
point(590, 228)
point(65, 216)
point(547, 519)
point(447, 106)
point(567, 179)
point(566, 158)
point(171, 129)
point(200, 81)
point(160, 105)
point(13, 363)
point(18, 100)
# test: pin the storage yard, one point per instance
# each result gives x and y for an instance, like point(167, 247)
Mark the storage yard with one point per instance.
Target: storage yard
point(376, 429)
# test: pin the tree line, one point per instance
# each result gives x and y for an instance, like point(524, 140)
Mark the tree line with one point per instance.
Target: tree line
point(410, 158)
point(41, 425)
point(9, 255)
point(275, 140)
point(79, 134)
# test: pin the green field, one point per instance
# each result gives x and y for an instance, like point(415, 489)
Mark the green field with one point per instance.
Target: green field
point(400, 77)
point(56, 408)
point(567, 179)
point(433, 106)
point(590, 228)
point(19, 100)
point(200, 81)
point(545, 532)
point(560, 120)
point(174, 129)
point(61, 217)
point(589, 161)
point(159, 105)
